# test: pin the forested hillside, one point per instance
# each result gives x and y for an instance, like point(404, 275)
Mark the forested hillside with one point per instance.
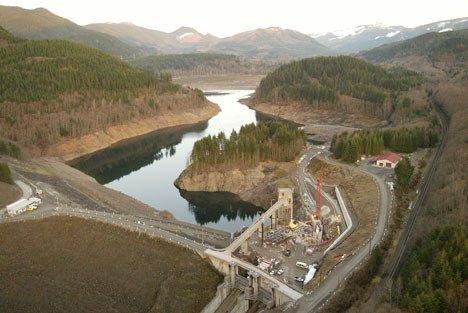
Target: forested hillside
point(452, 45)
point(53, 89)
point(338, 83)
point(274, 141)
point(435, 276)
point(201, 64)
point(42, 70)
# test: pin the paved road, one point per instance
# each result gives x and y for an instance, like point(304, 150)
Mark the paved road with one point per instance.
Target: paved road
point(125, 221)
point(303, 178)
point(26, 189)
point(326, 289)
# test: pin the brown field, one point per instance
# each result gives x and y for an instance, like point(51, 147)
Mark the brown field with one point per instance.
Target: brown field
point(8, 194)
point(73, 265)
point(362, 200)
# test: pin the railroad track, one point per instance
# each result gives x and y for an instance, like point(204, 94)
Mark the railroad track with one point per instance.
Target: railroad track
point(403, 243)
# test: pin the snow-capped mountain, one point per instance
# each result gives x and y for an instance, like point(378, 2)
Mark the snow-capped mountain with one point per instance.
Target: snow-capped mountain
point(365, 37)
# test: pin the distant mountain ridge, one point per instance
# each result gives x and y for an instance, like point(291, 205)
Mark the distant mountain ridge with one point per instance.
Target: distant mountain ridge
point(267, 43)
point(366, 37)
point(42, 24)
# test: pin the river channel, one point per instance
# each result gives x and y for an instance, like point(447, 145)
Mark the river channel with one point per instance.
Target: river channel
point(146, 168)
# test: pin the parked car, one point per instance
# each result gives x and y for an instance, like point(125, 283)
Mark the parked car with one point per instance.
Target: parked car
point(299, 279)
point(280, 272)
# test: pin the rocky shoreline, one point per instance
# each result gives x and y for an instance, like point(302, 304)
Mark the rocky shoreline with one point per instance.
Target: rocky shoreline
point(256, 185)
point(76, 147)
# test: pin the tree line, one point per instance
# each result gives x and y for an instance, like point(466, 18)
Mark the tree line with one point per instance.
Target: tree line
point(202, 64)
point(349, 147)
point(274, 141)
point(320, 82)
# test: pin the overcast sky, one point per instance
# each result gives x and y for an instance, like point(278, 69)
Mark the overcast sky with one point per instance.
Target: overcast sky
point(225, 18)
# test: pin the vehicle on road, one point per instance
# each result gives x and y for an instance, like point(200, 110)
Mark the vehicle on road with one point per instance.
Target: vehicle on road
point(302, 265)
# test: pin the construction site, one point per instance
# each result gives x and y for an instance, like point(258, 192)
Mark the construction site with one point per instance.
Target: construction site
point(291, 245)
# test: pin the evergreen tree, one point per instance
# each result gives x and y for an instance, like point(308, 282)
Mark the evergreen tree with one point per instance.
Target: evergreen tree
point(5, 174)
point(403, 171)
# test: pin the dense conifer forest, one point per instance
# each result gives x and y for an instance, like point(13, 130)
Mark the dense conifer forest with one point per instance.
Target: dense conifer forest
point(350, 146)
point(435, 276)
point(265, 141)
point(42, 70)
point(323, 81)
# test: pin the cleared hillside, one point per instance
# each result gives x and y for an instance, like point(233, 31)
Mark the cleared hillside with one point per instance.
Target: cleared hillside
point(341, 83)
point(52, 90)
point(42, 24)
point(74, 265)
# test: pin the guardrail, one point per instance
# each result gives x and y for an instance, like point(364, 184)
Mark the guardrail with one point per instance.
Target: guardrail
point(347, 218)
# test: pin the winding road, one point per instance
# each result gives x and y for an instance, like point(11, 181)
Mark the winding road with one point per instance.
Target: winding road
point(311, 302)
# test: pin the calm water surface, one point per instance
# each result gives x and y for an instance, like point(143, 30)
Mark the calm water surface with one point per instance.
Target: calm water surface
point(146, 168)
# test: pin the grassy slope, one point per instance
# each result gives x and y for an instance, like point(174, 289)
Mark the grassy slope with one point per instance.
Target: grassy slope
point(74, 265)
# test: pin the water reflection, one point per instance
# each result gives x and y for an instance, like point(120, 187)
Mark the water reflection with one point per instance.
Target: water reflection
point(145, 167)
point(210, 207)
point(131, 155)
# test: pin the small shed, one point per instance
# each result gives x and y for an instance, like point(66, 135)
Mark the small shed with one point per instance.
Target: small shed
point(388, 160)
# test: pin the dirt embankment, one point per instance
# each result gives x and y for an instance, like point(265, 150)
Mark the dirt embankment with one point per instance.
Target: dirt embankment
point(66, 264)
point(256, 185)
point(303, 114)
point(86, 144)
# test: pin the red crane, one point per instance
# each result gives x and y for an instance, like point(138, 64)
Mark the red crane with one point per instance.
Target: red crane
point(317, 197)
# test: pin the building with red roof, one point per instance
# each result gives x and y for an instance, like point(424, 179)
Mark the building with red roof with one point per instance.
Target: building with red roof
point(388, 160)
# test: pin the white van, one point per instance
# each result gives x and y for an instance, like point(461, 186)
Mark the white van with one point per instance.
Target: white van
point(302, 265)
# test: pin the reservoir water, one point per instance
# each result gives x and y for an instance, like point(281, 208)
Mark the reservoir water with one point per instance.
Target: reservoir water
point(146, 168)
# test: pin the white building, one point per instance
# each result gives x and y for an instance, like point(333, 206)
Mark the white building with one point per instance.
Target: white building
point(22, 205)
